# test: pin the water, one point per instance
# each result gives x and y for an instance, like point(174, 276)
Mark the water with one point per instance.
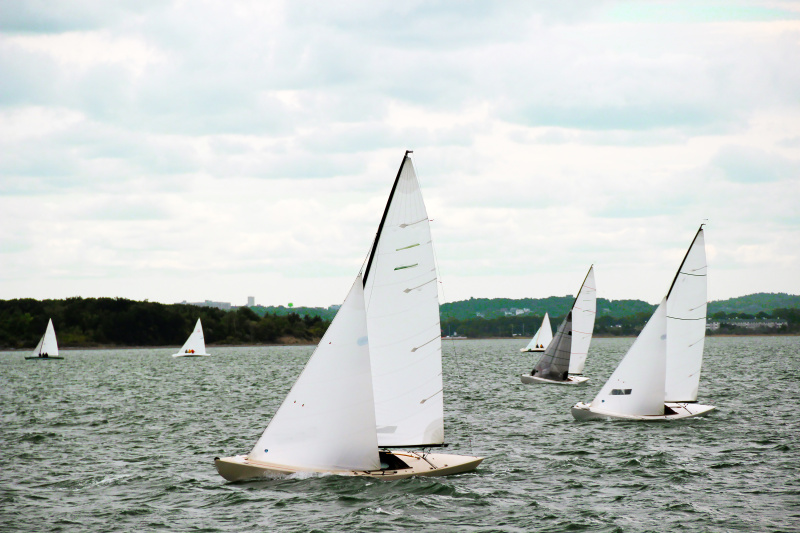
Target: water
point(123, 440)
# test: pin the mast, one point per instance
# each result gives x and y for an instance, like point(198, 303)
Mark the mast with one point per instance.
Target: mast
point(582, 284)
point(383, 218)
point(678, 273)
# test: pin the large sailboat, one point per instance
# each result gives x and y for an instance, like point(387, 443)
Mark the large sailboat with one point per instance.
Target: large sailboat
point(374, 383)
point(195, 345)
point(48, 346)
point(541, 338)
point(564, 358)
point(658, 379)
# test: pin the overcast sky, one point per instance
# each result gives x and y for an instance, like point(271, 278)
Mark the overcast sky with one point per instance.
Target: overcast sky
point(188, 150)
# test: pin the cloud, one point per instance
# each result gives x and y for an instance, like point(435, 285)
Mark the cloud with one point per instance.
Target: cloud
point(263, 137)
point(749, 164)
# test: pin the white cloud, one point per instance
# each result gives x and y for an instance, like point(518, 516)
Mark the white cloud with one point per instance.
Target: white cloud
point(190, 150)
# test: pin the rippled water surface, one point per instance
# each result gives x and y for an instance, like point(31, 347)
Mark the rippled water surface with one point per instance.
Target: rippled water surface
point(123, 440)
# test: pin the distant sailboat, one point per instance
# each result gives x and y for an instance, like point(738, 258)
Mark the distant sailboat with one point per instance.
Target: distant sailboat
point(48, 346)
point(195, 345)
point(542, 337)
point(565, 356)
point(374, 382)
point(659, 377)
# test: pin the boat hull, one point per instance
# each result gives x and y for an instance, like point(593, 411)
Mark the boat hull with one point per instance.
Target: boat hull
point(240, 468)
point(527, 379)
point(34, 358)
point(525, 350)
point(584, 411)
point(191, 355)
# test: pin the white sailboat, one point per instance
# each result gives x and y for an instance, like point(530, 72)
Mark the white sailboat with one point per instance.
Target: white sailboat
point(48, 346)
point(541, 338)
point(195, 345)
point(659, 377)
point(374, 382)
point(565, 356)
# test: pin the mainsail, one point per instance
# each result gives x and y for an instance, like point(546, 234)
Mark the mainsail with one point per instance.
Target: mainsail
point(195, 344)
point(584, 309)
point(47, 344)
point(402, 301)
point(554, 363)
point(327, 420)
point(686, 324)
point(542, 337)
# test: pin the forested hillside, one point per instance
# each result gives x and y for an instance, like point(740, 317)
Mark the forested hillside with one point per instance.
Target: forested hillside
point(90, 322)
point(762, 302)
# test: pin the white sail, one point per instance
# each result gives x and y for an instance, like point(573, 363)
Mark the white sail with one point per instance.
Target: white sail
point(327, 421)
point(196, 343)
point(686, 324)
point(583, 312)
point(637, 385)
point(47, 344)
point(401, 294)
point(543, 335)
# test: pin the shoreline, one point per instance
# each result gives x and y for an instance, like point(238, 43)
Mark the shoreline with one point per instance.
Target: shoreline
point(314, 343)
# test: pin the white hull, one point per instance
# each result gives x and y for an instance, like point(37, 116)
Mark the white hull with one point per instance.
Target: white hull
point(239, 468)
point(525, 350)
point(571, 380)
point(191, 355)
point(584, 411)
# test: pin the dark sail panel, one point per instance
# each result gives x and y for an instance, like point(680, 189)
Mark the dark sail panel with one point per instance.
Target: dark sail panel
point(554, 364)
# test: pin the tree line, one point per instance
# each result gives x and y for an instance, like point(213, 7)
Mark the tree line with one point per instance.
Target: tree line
point(88, 322)
point(606, 325)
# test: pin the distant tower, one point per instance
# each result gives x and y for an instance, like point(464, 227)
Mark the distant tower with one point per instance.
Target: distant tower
point(251, 301)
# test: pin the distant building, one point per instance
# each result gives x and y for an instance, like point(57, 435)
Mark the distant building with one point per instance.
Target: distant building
point(767, 323)
point(209, 303)
point(251, 301)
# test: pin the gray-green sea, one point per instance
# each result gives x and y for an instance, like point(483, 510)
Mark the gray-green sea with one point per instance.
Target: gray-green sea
point(123, 440)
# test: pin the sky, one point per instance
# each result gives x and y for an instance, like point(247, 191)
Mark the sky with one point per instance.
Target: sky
point(193, 150)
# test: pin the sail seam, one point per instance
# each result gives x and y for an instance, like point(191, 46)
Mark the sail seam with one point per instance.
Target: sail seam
point(687, 319)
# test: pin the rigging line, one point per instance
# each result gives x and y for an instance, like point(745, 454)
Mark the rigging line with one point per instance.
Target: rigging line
point(452, 341)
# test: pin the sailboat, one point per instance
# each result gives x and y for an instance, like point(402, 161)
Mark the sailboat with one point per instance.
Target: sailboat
point(48, 346)
point(542, 337)
point(564, 358)
point(374, 383)
point(195, 345)
point(659, 377)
